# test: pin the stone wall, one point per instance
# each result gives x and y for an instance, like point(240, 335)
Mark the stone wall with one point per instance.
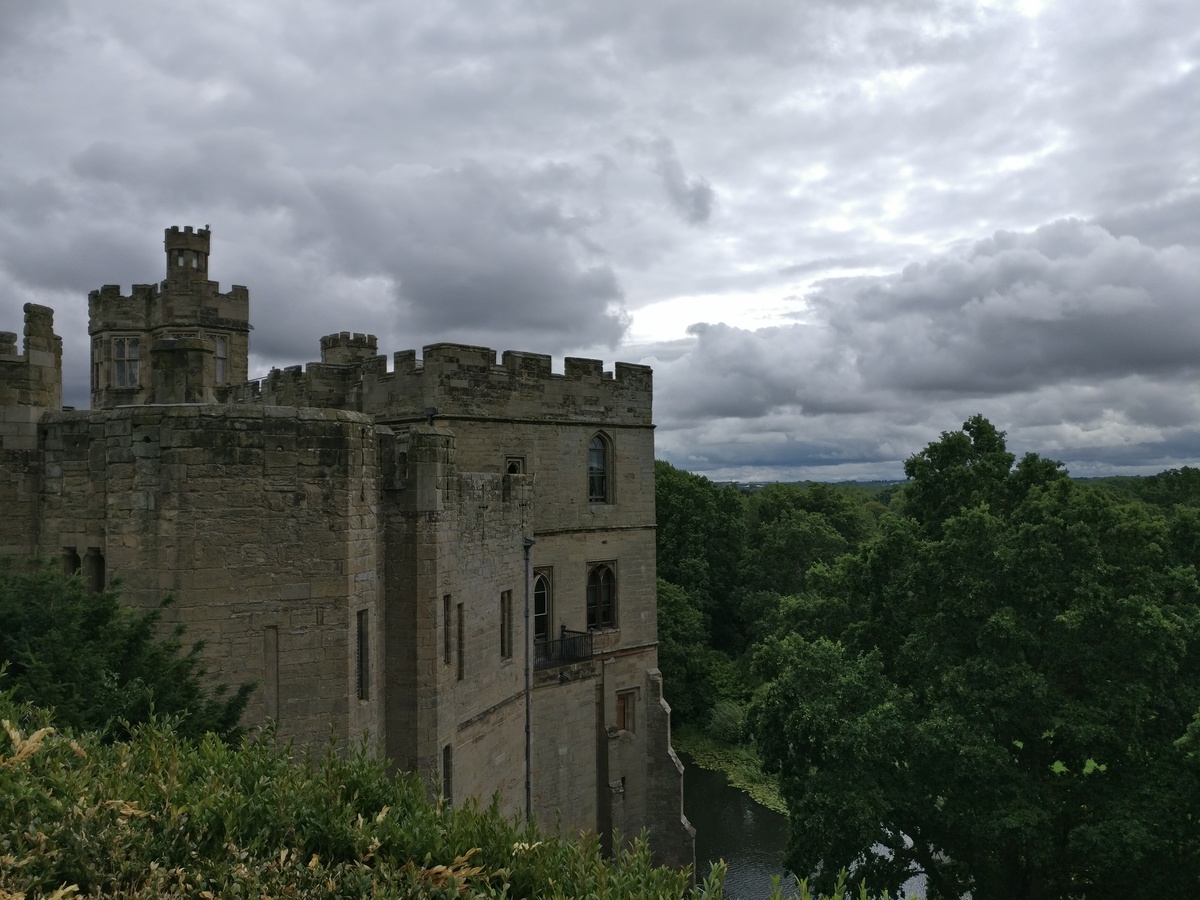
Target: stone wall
point(260, 521)
point(453, 546)
point(30, 384)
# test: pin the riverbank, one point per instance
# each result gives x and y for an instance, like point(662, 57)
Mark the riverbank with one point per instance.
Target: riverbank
point(740, 764)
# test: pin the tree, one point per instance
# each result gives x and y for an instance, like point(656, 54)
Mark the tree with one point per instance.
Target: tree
point(791, 527)
point(994, 689)
point(701, 532)
point(98, 663)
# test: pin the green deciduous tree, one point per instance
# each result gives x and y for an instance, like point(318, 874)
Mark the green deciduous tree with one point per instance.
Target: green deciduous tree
point(98, 664)
point(994, 689)
point(791, 527)
point(701, 533)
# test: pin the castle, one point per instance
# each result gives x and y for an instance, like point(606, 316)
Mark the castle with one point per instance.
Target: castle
point(453, 558)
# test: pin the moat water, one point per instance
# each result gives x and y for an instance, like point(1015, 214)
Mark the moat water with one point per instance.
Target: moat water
point(731, 826)
point(748, 836)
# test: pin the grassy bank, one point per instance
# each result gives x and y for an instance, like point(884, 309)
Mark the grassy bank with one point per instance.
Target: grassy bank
point(740, 764)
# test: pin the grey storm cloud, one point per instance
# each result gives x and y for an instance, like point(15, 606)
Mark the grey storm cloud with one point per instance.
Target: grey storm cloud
point(1066, 302)
point(593, 178)
point(692, 198)
point(1068, 326)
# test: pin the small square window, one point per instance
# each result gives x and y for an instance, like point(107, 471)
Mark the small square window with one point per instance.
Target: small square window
point(514, 465)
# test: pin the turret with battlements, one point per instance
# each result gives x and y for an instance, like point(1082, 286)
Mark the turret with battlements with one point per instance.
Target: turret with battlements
point(185, 306)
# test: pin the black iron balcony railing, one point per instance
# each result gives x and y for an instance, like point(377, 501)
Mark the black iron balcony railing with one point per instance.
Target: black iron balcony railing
point(570, 647)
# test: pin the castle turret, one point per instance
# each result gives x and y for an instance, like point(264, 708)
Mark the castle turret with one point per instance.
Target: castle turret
point(187, 253)
point(186, 306)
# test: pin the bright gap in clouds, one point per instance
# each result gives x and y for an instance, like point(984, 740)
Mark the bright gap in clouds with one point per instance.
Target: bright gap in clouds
point(669, 319)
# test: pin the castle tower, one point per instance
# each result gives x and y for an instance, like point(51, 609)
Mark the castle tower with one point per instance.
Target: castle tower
point(185, 308)
point(187, 253)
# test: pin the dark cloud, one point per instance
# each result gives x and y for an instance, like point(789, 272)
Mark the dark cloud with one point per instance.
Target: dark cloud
point(692, 198)
point(1067, 325)
point(572, 176)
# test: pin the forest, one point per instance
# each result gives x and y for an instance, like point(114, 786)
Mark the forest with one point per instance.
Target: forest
point(990, 672)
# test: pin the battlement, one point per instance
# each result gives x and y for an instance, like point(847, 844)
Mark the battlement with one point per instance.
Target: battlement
point(345, 349)
point(459, 380)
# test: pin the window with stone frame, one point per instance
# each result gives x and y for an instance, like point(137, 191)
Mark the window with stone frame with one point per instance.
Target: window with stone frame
point(599, 470)
point(125, 356)
point(221, 357)
point(542, 605)
point(627, 711)
point(601, 596)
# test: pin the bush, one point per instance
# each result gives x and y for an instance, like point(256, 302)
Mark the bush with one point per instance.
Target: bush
point(728, 722)
point(98, 664)
point(162, 816)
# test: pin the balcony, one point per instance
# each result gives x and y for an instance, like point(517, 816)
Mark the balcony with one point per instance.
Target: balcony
point(570, 647)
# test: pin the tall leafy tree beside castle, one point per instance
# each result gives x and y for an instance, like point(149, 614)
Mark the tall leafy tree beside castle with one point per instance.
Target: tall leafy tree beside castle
point(101, 666)
point(994, 689)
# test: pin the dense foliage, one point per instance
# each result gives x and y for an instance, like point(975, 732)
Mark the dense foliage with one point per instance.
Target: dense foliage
point(994, 689)
point(726, 559)
point(100, 665)
point(161, 816)
point(991, 673)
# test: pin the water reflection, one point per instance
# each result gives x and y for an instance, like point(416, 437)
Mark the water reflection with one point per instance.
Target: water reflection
point(748, 836)
point(731, 826)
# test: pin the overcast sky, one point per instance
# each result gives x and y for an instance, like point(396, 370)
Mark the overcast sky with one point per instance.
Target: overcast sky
point(834, 228)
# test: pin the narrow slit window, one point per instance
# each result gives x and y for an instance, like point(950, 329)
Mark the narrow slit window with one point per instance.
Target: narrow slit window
point(462, 640)
point(446, 629)
point(362, 656)
point(222, 359)
point(506, 624)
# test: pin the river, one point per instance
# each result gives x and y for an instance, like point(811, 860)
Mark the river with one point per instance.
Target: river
point(748, 836)
point(731, 826)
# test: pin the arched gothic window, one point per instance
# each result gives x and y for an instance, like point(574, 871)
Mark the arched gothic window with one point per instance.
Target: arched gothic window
point(599, 462)
point(601, 597)
point(541, 607)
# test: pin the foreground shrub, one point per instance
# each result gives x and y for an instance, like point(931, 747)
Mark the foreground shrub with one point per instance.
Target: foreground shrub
point(161, 816)
point(98, 664)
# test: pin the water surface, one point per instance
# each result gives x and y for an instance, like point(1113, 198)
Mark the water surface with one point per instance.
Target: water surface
point(731, 826)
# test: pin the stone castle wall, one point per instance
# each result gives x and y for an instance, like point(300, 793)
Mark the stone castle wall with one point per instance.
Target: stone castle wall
point(260, 521)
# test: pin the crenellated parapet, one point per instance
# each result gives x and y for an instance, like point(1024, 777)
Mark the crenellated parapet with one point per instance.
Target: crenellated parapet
point(460, 381)
point(346, 348)
point(466, 381)
point(30, 381)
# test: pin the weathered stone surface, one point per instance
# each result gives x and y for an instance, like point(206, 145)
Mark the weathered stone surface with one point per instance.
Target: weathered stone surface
point(352, 540)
